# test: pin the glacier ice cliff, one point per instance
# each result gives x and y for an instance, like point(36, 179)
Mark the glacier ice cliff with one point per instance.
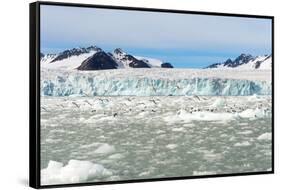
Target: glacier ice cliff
point(89, 84)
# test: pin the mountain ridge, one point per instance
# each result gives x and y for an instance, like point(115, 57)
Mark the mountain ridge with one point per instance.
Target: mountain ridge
point(79, 58)
point(244, 61)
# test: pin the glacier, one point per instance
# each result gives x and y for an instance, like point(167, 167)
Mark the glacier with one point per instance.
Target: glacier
point(163, 82)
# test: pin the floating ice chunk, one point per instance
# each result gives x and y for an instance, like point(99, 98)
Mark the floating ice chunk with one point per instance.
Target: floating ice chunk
point(116, 156)
point(105, 149)
point(100, 118)
point(90, 145)
point(247, 113)
point(159, 131)
point(187, 117)
point(254, 113)
point(144, 173)
point(188, 125)
point(181, 129)
point(51, 140)
point(254, 97)
point(171, 146)
point(218, 103)
point(210, 155)
point(204, 172)
point(265, 136)
point(74, 172)
point(244, 143)
point(247, 132)
point(205, 116)
point(57, 131)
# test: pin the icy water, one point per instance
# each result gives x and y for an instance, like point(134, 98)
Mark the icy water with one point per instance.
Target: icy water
point(154, 137)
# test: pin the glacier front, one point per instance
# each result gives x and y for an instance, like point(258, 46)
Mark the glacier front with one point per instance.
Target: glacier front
point(155, 82)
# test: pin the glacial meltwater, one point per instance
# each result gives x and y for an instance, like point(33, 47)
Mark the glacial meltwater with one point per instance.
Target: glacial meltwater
point(89, 139)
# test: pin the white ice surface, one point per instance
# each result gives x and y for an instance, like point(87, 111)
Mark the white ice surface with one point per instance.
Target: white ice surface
point(70, 63)
point(105, 149)
point(74, 172)
point(265, 136)
point(155, 63)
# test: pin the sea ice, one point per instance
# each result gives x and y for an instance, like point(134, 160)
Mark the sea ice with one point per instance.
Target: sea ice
point(204, 172)
point(171, 146)
point(244, 143)
point(254, 113)
point(265, 136)
point(218, 103)
point(105, 149)
point(75, 171)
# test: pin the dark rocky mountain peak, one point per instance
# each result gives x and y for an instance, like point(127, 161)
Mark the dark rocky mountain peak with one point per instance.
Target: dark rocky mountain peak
point(119, 51)
point(98, 61)
point(135, 63)
point(240, 60)
point(93, 48)
point(120, 56)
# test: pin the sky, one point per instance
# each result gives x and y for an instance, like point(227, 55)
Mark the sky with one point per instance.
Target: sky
point(184, 40)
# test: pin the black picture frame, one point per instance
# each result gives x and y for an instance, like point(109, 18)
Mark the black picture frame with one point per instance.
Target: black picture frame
point(34, 92)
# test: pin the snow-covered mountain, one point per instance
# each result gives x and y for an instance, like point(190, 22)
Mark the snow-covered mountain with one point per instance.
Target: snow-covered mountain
point(94, 58)
point(125, 60)
point(68, 59)
point(245, 61)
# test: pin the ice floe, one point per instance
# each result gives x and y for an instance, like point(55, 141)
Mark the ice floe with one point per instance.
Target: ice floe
point(244, 143)
point(218, 103)
point(75, 171)
point(204, 172)
point(105, 149)
point(171, 146)
point(265, 136)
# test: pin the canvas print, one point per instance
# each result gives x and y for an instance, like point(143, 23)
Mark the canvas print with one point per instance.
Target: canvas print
point(130, 94)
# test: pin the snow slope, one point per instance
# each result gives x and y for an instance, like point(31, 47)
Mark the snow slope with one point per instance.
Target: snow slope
point(154, 63)
point(46, 59)
point(70, 63)
point(245, 62)
point(260, 62)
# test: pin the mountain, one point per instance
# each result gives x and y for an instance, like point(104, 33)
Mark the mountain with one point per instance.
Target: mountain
point(85, 59)
point(68, 59)
point(75, 52)
point(47, 58)
point(245, 61)
point(125, 60)
point(98, 61)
